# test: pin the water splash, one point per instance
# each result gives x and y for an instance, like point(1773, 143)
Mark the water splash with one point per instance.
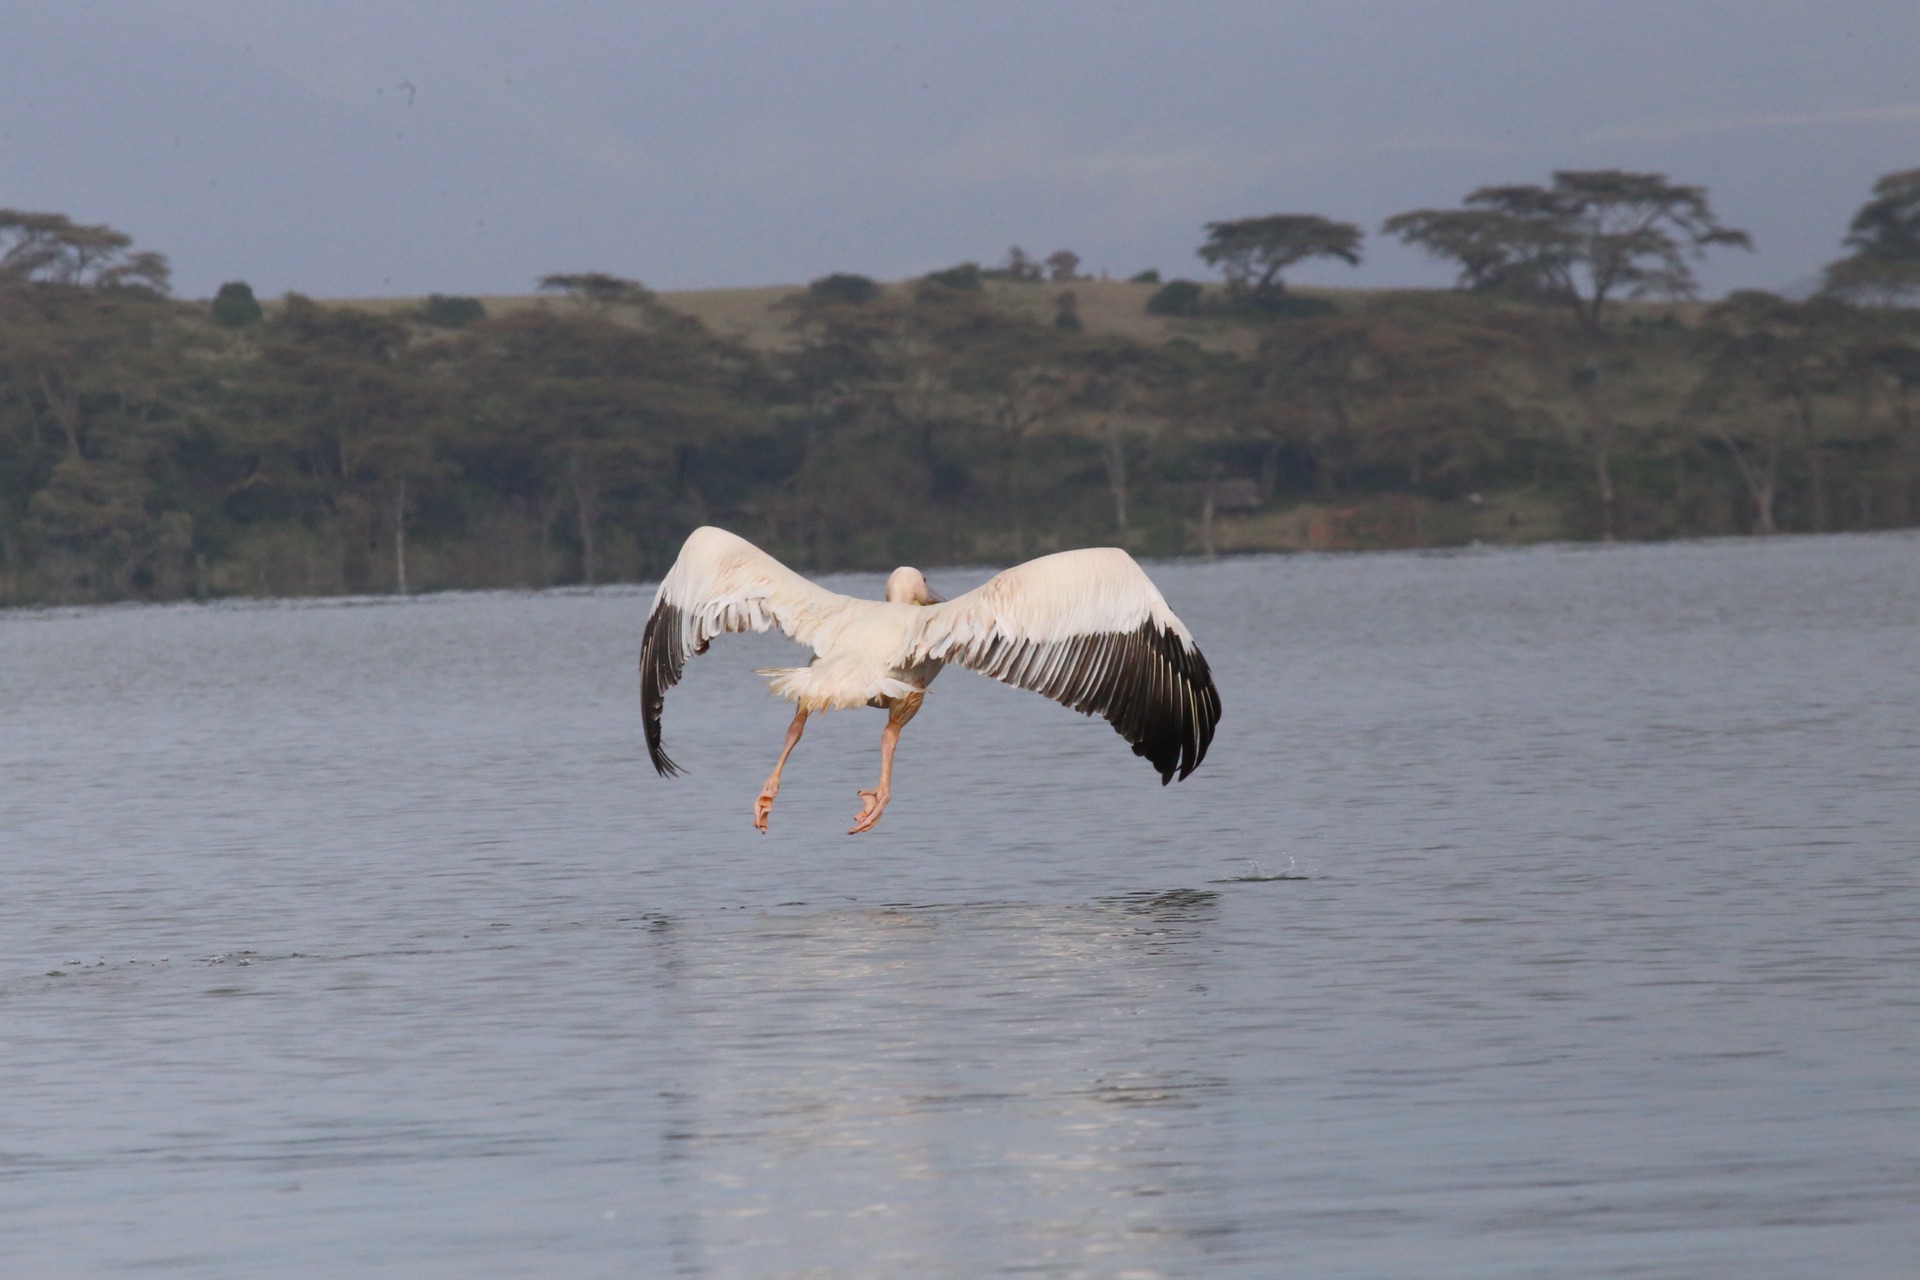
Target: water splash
point(1257, 874)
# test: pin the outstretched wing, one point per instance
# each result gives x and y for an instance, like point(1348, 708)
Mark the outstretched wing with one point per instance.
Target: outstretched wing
point(720, 582)
point(1089, 630)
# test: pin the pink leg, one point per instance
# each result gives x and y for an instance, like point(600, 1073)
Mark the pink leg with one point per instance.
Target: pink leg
point(873, 803)
point(764, 805)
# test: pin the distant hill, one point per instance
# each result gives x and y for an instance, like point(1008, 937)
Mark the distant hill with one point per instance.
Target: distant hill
point(754, 315)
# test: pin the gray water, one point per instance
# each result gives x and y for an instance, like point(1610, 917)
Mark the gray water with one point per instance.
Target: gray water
point(1538, 913)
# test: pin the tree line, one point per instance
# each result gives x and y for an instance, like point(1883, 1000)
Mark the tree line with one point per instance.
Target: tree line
point(1567, 387)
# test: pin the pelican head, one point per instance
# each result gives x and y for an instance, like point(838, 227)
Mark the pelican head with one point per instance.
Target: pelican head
point(909, 586)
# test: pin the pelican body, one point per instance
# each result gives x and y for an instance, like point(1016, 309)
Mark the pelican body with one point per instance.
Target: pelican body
point(1085, 628)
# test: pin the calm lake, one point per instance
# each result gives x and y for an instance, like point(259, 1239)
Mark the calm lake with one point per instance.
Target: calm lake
point(1544, 913)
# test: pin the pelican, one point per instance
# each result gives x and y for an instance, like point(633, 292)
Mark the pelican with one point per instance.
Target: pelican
point(1085, 628)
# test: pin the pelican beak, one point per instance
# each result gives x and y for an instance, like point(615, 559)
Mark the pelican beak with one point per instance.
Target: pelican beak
point(934, 597)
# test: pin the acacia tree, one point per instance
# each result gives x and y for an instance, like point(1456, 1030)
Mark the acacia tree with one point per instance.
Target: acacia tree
point(597, 288)
point(1113, 389)
point(1021, 266)
point(1891, 357)
point(1252, 252)
point(1387, 392)
point(603, 411)
point(1885, 238)
point(858, 382)
point(93, 391)
point(1592, 237)
point(1773, 368)
point(1008, 378)
point(50, 248)
point(90, 379)
point(340, 421)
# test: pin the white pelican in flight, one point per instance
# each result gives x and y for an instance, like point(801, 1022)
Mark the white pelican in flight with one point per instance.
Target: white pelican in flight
point(1085, 628)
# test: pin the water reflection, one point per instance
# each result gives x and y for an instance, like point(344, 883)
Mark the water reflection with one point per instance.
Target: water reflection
point(941, 1090)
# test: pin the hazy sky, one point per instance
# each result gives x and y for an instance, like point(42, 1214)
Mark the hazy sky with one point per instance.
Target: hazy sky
point(353, 147)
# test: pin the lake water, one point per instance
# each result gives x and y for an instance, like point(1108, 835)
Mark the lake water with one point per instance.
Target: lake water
point(356, 938)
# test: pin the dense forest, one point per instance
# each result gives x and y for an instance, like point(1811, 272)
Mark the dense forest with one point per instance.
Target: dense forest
point(1568, 387)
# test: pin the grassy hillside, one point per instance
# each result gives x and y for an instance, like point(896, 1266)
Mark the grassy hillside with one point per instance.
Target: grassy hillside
point(756, 317)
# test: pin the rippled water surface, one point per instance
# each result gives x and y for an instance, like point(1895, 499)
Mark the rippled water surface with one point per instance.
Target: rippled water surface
point(357, 939)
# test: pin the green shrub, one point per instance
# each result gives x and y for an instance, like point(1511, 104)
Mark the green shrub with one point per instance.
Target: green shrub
point(235, 306)
point(1176, 298)
point(840, 287)
point(1066, 313)
point(448, 312)
point(965, 276)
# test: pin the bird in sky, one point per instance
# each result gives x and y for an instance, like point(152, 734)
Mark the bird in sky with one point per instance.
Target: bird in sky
point(1085, 628)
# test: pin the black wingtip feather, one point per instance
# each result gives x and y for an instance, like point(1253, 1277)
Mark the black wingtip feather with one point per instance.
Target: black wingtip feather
point(1154, 688)
point(661, 662)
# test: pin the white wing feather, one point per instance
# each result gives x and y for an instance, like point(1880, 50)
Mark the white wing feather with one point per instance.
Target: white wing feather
point(1090, 630)
point(719, 583)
